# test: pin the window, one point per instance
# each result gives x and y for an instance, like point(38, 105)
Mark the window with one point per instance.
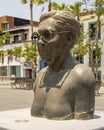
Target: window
point(15, 70)
point(92, 58)
point(7, 42)
point(5, 26)
point(16, 38)
point(80, 59)
point(92, 30)
point(3, 71)
point(99, 77)
point(82, 32)
point(99, 74)
point(25, 37)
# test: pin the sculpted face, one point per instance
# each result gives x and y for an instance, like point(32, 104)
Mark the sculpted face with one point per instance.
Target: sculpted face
point(52, 44)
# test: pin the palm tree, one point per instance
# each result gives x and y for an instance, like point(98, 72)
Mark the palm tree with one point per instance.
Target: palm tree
point(31, 2)
point(17, 53)
point(2, 53)
point(49, 6)
point(9, 54)
point(59, 7)
point(76, 9)
point(3, 36)
point(2, 56)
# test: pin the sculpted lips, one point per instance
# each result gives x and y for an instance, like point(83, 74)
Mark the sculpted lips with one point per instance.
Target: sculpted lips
point(45, 54)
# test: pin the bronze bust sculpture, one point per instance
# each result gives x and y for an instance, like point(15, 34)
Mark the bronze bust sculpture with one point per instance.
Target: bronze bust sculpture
point(65, 88)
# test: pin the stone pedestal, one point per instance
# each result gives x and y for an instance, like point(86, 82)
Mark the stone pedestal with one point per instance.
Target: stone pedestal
point(22, 120)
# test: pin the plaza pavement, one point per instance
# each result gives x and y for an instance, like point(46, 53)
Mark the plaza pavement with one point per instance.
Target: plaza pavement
point(15, 113)
point(19, 98)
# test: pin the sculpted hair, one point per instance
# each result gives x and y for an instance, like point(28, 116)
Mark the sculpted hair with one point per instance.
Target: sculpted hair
point(64, 22)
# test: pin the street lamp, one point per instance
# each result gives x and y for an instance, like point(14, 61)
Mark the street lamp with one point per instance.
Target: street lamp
point(34, 42)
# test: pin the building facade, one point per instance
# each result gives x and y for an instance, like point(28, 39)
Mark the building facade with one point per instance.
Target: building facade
point(20, 32)
point(88, 20)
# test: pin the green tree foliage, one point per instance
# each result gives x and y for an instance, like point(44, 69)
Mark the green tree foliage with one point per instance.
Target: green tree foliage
point(3, 36)
point(99, 9)
point(26, 52)
point(80, 49)
point(59, 7)
point(17, 52)
point(30, 53)
point(76, 9)
point(2, 56)
point(10, 54)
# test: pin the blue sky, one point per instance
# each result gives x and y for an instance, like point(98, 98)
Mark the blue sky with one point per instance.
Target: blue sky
point(15, 8)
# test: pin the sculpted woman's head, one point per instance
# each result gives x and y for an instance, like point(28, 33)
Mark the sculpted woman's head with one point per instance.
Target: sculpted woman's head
point(63, 21)
point(58, 31)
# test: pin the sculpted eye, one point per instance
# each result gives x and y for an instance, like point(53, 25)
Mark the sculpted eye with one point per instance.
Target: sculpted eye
point(46, 35)
point(68, 39)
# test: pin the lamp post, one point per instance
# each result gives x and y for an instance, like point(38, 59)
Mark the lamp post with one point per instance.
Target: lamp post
point(34, 42)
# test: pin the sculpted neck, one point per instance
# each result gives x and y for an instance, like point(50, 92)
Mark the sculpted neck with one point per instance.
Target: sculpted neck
point(62, 63)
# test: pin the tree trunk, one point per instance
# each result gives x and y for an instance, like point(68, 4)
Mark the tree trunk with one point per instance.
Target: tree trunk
point(31, 15)
point(97, 48)
point(49, 6)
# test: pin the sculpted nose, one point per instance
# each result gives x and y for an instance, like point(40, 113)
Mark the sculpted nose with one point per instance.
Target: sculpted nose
point(41, 42)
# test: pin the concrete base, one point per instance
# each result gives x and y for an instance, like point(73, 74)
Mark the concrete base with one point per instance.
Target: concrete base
point(22, 120)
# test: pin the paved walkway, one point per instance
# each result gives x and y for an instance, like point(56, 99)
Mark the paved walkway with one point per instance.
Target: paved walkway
point(99, 100)
point(11, 99)
point(19, 98)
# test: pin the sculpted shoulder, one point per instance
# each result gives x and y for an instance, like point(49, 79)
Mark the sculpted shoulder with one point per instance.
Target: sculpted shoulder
point(39, 77)
point(83, 75)
point(42, 71)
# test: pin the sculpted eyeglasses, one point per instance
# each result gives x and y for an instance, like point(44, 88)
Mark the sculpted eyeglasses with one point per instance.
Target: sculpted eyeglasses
point(45, 35)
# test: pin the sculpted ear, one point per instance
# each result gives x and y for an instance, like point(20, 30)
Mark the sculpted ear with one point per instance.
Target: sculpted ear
point(71, 40)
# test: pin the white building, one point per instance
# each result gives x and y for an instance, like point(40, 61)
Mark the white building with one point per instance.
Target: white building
point(88, 23)
point(20, 32)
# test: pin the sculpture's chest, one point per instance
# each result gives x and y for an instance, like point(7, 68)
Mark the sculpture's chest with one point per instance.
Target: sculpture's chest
point(55, 97)
point(55, 85)
point(55, 102)
point(53, 79)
